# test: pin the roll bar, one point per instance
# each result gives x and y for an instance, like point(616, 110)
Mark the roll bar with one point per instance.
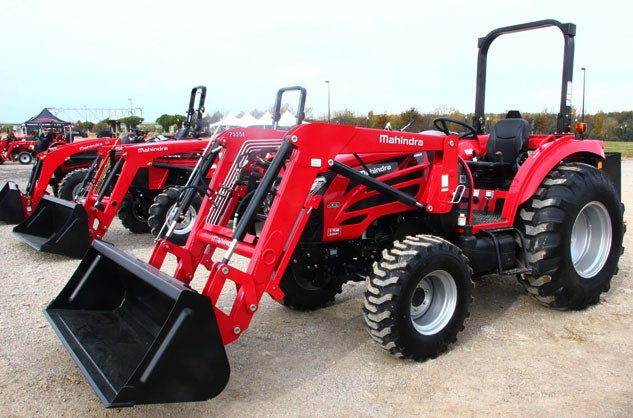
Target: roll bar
point(563, 122)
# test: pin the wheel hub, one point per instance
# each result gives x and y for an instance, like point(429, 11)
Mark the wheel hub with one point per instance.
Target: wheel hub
point(591, 238)
point(433, 302)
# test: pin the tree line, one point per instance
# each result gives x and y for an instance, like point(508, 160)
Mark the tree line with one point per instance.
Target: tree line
point(611, 126)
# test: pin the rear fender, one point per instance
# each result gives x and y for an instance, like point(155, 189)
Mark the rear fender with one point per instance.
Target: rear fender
point(541, 162)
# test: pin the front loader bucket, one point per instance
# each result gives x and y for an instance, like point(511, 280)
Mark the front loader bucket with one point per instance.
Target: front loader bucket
point(56, 226)
point(137, 334)
point(11, 210)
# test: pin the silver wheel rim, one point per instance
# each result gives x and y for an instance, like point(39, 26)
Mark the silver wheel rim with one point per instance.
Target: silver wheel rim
point(76, 190)
point(433, 302)
point(186, 225)
point(591, 238)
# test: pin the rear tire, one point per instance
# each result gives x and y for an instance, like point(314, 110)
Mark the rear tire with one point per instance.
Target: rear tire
point(69, 187)
point(574, 229)
point(133, 214)
point(418, 297)
point(162, 206)
point(25, 157)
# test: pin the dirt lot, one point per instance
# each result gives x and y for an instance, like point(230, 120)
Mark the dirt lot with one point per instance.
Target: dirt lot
point(515, 358)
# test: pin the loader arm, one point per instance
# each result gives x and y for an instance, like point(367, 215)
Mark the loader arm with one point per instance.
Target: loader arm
point(51, 165)
point(52, 159)
point(102, 207)
point(307, 152)
point(67, 228)
point(242, 150)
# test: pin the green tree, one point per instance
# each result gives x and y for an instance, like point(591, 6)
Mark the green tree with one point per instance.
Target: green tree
point(345, 117)
point(410, 116)
point(541, 123)
point(102, 125)
point(611, 130)
point(597, 131)
point(84, 125)
point(165, 121)
point(379, 121)
point(132, 122)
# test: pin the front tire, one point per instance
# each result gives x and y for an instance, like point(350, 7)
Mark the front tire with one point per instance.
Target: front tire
point(70, 185)
point(574, 229)
point(133, 214)
point(307, 290)
point(418, 297)
point(162, 206)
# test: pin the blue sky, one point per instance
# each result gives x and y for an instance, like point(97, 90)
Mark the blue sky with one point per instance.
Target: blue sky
point(378, 56)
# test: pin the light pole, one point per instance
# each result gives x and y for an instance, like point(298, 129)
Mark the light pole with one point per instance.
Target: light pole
point(328, 100)
point(582, 111)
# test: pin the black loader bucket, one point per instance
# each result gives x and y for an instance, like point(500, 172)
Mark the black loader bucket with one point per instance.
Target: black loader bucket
point(11, 210)
point(138, 335)
point(56, 226)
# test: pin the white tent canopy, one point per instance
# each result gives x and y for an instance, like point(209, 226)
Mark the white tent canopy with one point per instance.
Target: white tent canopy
point(227, 121)
point(266, 119)
point(287, 120)
point(247, 120)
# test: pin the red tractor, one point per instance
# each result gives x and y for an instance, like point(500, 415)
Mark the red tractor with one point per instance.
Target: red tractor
point(50, 168)
point(124, 180)
point(25, 149)
point(173, 212)
point(418, 217)
point(21, 150)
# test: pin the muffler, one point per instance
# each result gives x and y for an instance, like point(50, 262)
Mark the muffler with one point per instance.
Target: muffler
point(11, 209)
point(137, 334)
point(56, 226)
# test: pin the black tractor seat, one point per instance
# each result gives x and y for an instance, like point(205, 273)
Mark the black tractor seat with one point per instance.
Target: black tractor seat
point(505, 151)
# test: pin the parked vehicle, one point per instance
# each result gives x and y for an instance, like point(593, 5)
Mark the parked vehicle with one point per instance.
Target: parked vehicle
point(50, 168)
point(123, 180)
point(417, 216)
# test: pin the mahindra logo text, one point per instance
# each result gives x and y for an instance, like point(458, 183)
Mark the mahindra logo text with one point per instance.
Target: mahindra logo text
point(223, 242)
point(153, 149)
point(400, 140)
point(87, 147)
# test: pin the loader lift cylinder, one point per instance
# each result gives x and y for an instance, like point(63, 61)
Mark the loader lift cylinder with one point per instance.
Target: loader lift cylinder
point(258, 197)
point(35, 174)
point(194, 183)
point(90, 173)
point(106, 185)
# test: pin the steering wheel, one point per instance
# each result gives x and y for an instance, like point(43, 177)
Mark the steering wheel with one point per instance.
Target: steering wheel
point(442, 125)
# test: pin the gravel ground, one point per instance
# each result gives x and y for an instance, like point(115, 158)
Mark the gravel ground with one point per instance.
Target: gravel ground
point(515, 357)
